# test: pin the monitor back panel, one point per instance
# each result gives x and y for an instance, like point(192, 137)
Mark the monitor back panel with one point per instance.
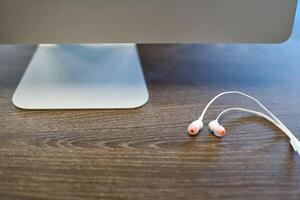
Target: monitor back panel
point(146, 21)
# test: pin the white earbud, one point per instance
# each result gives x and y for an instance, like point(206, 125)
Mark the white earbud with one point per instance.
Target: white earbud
point(195, 127)
point(216, 128)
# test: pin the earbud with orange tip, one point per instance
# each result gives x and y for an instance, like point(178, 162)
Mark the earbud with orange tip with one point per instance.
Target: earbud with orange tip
point(195, 127)
point(217, 129)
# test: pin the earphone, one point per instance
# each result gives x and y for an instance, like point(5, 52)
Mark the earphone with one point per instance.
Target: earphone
point(218, 130)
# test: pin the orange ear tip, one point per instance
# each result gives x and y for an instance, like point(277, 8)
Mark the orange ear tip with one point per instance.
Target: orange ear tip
point(222, 133)
point(192, 131)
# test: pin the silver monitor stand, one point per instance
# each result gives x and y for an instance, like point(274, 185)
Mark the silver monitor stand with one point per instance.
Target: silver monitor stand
point(87, 76)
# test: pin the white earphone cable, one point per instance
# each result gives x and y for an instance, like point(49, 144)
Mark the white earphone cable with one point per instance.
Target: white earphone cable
point(251, 112)
point(240, 93)
point(293, 140)
point(272, 118)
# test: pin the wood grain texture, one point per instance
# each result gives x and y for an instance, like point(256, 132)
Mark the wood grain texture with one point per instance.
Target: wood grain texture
point(146, 153)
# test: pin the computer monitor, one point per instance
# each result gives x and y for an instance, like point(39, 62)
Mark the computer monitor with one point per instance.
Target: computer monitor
point(91, 60)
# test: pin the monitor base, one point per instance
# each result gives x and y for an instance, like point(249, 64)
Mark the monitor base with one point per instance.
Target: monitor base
point(94, 76)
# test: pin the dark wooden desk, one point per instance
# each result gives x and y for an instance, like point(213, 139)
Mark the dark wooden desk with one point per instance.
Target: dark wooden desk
point(146, 153)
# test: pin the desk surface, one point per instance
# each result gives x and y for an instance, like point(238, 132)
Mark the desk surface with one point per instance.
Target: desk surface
point(146, 153)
